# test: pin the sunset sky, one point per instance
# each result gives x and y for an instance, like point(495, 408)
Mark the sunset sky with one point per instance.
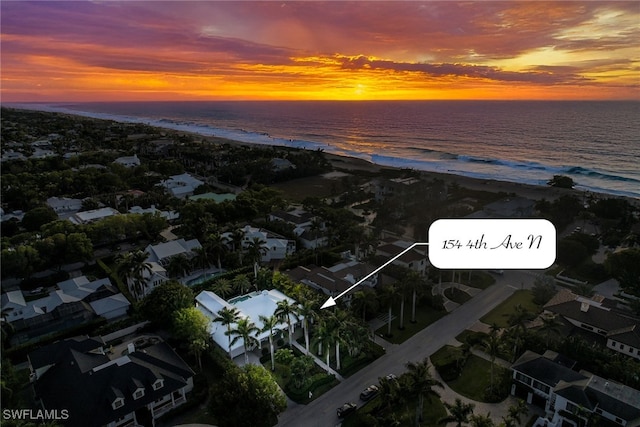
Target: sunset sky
point(272, 50)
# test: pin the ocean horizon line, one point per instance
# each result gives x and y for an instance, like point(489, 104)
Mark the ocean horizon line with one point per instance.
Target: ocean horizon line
point(486, 167)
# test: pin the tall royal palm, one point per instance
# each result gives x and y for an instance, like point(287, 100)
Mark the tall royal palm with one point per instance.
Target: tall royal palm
point(132, 267)
point(307, 310)
point(421, 383)
point(492, 346)
point(284, 312)
point(325, 337)
point(246, 330)
point(227, 316)
point(217, 245)
point(390, 295)
point(269, 324)
point(255, 249)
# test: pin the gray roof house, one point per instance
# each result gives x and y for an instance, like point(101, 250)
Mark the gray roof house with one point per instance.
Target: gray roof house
point(570, 397)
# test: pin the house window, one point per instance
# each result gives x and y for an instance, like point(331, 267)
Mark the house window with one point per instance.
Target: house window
point(523, 378)
point(158, 384)
point(138, 393)
point(621, 346)
point(541, 387)
point(118, 403)
point(571, 407)
point(613, 344)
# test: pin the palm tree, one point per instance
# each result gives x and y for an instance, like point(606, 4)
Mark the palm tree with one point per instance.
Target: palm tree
point(201, 258)
point(550, 327)
point(324, 337)
point(307, 310)
point(132, 267)
point(246, 330)
point(416, 284)
point(421, 383)
point(256, 248)
point(390, 295)
point(178, 265)
point(222, 287)
point(284, 312)
point(459, 412)
point(403, 288)
point(227, 316)
point(492, 346)
point(518, 410)
point(341, 322)
point(217, 245)
point(518, 323)
point(236, 238)
point(269, 324)
point(481, 421)
point(363, 300)
point(389, 393)
point(241, 283)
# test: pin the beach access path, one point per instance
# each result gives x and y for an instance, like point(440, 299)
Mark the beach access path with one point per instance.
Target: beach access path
point(322, 411)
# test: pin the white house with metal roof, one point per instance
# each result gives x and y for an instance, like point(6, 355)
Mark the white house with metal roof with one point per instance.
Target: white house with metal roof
point(250, 306)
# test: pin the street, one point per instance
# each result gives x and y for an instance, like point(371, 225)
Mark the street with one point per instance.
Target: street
point(322, 411)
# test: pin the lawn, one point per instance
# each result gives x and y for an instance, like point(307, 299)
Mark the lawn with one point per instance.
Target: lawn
point(500, 314)
point(425, 315)
point(475, 378)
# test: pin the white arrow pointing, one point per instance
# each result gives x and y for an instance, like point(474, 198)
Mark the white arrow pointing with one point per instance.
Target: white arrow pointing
point(332, 300)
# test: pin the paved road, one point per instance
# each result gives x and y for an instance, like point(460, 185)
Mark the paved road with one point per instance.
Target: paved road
point(322, 411)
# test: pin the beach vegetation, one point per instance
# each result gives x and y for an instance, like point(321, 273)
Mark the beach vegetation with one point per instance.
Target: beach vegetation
point(561, 181)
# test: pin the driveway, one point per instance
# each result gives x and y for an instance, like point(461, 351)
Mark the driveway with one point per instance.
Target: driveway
point(322, 411)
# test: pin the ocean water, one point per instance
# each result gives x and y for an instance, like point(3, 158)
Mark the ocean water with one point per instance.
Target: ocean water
point(595, 143)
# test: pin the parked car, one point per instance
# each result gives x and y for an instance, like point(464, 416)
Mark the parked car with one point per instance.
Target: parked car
point(346, 409)
point(391, 377)
point(369, 392)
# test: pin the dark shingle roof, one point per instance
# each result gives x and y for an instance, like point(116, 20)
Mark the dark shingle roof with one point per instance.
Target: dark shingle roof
point(628, 335)
point(88, 392)
point(603, 319)
point(545, 370)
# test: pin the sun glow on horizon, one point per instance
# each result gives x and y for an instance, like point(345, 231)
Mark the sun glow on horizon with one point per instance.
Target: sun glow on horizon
point(254, 50)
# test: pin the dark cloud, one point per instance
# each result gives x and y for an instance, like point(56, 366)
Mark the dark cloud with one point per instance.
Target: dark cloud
point(538, 76)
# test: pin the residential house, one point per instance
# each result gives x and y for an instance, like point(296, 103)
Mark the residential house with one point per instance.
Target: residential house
point(128, 161)
point(71, 304)
point(168, 215)
point(64, 206)
point(619, 332)
point(181, 186)
point(93, 387)
point(276, 247)
point(310, 229)
point(569, 397)
point(334, 280)
point(163, 252)
point(414, 259)
point(86, 217)
point(250, 306)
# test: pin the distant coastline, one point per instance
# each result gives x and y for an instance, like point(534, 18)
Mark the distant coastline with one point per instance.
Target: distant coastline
point(374, 160)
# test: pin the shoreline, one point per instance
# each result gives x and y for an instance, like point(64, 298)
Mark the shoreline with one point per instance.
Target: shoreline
point(527, 190)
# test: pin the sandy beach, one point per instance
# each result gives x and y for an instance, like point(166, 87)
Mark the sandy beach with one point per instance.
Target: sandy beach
point(533, 192)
